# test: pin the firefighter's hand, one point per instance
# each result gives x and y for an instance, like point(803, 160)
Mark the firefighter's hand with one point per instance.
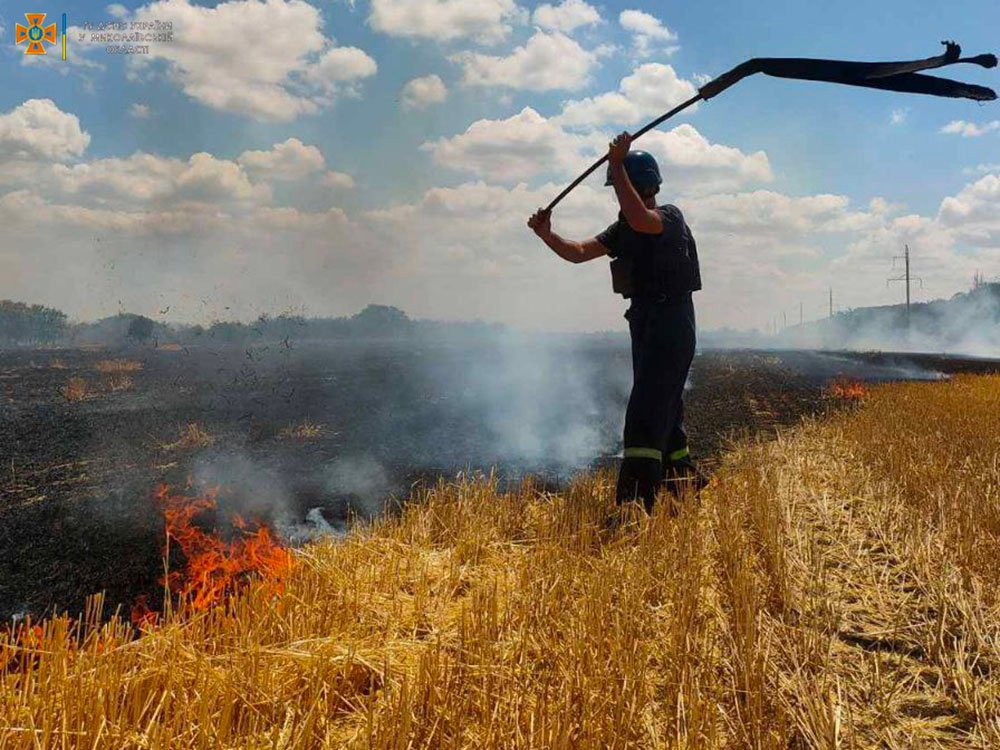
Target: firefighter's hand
point(618, 148)
point(541, 222)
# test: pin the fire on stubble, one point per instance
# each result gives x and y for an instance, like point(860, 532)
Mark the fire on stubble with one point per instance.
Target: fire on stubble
point(214, 566)
point(850, 389)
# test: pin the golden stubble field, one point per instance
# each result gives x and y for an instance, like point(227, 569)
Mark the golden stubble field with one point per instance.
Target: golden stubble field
point(835, 587)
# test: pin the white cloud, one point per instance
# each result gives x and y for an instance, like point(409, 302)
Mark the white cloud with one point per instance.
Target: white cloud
point(762, 252)
point(267, 59)
point(487, 21)
point(970, 129)
point(144, 178)
point(647, 30)
point(692, 164)
point(338, 180)
point(117, 10)
point(520, 147)
point(566, 17)
point(982, 169)
point(38, 129)
point(139, 111)
point(975, 212)
point(651, 90)
point(138, 178)
point(340, 65)
point(898, 116)
point(527, 146)
point(290, 160)
point(421, 92)
point(547, 61)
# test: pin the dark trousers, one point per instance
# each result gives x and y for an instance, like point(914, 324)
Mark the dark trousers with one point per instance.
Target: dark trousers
point(663, 343)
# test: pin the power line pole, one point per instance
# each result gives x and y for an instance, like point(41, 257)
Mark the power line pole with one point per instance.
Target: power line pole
point(905, 257)
point(800, 314)
point(831, 301)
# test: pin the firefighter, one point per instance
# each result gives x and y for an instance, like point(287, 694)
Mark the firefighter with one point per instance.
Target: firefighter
point(654, 265)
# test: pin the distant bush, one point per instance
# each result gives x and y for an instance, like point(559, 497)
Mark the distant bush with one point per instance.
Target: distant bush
point(140, 329)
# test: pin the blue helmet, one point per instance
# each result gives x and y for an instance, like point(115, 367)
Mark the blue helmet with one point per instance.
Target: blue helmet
point(642, 170)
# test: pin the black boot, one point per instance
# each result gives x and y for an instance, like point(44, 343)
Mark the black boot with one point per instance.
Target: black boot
point(682, 475)
point(638, 479)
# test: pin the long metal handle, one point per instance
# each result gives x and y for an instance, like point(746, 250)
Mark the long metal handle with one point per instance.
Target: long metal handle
point(599, 162)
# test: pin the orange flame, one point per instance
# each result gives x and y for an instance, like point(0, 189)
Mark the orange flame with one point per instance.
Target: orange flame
point(18, 646)
point(847, 388)
point(214, 567)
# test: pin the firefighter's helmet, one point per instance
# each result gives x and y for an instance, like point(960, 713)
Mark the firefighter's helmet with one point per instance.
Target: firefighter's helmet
point(642, 170)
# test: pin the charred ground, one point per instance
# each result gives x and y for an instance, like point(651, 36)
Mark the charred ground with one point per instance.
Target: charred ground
point(289, 428)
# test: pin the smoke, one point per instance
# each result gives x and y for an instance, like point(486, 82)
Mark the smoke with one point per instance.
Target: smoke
point(532, 403)
point(968, 324)
point(360, 480)
point(825, 366)
point(315, 526)
point(351, 485)
point(246, 487)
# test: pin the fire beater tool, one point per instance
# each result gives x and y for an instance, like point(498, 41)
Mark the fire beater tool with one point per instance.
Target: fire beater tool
point(892, 76)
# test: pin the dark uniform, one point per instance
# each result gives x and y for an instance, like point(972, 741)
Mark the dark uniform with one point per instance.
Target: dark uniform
point(658, 273)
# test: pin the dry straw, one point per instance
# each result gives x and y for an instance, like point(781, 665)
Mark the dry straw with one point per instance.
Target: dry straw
point(818, 596)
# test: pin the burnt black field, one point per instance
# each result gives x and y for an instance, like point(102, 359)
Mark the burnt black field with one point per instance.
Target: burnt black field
point(305, 435)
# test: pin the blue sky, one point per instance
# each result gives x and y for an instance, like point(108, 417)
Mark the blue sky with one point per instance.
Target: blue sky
point(327, 178)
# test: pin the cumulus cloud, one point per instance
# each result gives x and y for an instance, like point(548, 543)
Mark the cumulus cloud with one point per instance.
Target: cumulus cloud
point(527, 146)
point(546, 62)
point(970, 129)
point(146, 178)
point(339, 69)
point(38, 129)
point(974, 214)
point(290, 160)
point(647, 31)
point(422, 92)
point(982, 169)
point(566, 17)
point(487, 21)
point(267, 59)
point(692, 164)
point(898, 116)
point(650, 90)
point(520, 147)
point(338, 180)
point(139, 111)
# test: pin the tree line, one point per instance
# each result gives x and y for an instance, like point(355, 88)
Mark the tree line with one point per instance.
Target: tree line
point(31, 325)
point(36, 325)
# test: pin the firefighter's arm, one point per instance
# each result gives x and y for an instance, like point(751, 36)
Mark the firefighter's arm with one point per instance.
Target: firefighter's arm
point(641, 218)
point(574, 252)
